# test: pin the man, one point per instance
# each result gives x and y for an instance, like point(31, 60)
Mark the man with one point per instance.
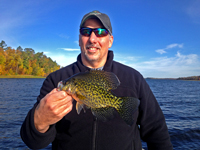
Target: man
point(54, 118)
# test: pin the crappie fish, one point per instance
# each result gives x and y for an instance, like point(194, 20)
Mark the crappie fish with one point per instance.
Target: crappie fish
point(92, 89)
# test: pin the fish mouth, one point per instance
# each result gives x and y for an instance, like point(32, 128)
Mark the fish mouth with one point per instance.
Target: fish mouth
point(60, 86)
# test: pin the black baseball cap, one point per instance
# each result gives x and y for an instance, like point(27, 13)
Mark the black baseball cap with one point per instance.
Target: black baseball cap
point(105, 20)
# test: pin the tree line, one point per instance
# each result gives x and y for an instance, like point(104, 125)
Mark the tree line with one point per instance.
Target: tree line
point(190, 78)
point(24, 62)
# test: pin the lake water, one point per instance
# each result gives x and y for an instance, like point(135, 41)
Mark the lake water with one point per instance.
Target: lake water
point(179, 100)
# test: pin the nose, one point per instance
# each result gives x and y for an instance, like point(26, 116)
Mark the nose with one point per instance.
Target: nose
point(93, 38)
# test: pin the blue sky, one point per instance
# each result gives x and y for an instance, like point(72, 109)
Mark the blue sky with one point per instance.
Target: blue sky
point(157, 38)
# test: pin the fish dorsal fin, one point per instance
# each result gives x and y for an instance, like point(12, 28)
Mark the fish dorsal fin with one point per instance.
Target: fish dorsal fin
point(107, 80)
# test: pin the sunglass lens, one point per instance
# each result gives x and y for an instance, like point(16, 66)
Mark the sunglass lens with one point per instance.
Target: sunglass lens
point(101, 32)
point(85, 31)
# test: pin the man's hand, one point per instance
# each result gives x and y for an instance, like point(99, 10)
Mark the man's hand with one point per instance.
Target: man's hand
point(51, 109)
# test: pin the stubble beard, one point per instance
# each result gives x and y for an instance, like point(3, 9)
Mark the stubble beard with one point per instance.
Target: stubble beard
point(92, 57)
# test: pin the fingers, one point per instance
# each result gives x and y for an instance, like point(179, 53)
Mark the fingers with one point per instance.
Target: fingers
point(56, 95)
point(63, 104)
point(53, 91)
point(65, 108)
point(52, 108)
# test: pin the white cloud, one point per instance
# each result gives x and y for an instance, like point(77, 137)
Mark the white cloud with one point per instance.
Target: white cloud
point(174, 45)
point(70, 49)
point(63, 36)
point(77, 42)
point(167, 67)
point(64, 59)
point(162, 51)
point(187, 59)
point(123, 58)
point(46, 53)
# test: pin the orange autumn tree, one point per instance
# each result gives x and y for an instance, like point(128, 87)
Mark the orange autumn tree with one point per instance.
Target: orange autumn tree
point(24, 62)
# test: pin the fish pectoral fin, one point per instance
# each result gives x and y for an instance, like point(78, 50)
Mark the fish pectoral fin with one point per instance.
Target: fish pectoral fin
point(103, 114)
point(79, 107)
point(80, 96)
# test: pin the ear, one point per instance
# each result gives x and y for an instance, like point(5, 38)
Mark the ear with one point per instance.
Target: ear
point(110, 41)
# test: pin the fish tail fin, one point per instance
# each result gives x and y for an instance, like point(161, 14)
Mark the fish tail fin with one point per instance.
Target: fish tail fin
point(127, 107)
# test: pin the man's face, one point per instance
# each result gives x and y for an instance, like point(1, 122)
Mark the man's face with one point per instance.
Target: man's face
point(94, 49)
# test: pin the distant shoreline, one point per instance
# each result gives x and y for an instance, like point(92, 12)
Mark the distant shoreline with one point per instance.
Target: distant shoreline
point(20, 76)
point(192, 78)
point(162, 78)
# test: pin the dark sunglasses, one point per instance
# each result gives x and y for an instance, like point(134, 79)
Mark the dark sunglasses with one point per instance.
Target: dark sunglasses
point(99, 32)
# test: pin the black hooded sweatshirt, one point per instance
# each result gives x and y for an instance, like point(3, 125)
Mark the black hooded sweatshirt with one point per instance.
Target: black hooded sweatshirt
point(86, 132)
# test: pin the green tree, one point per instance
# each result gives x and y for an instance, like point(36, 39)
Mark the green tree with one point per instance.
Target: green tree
point(3, 44)
point(20, 48)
